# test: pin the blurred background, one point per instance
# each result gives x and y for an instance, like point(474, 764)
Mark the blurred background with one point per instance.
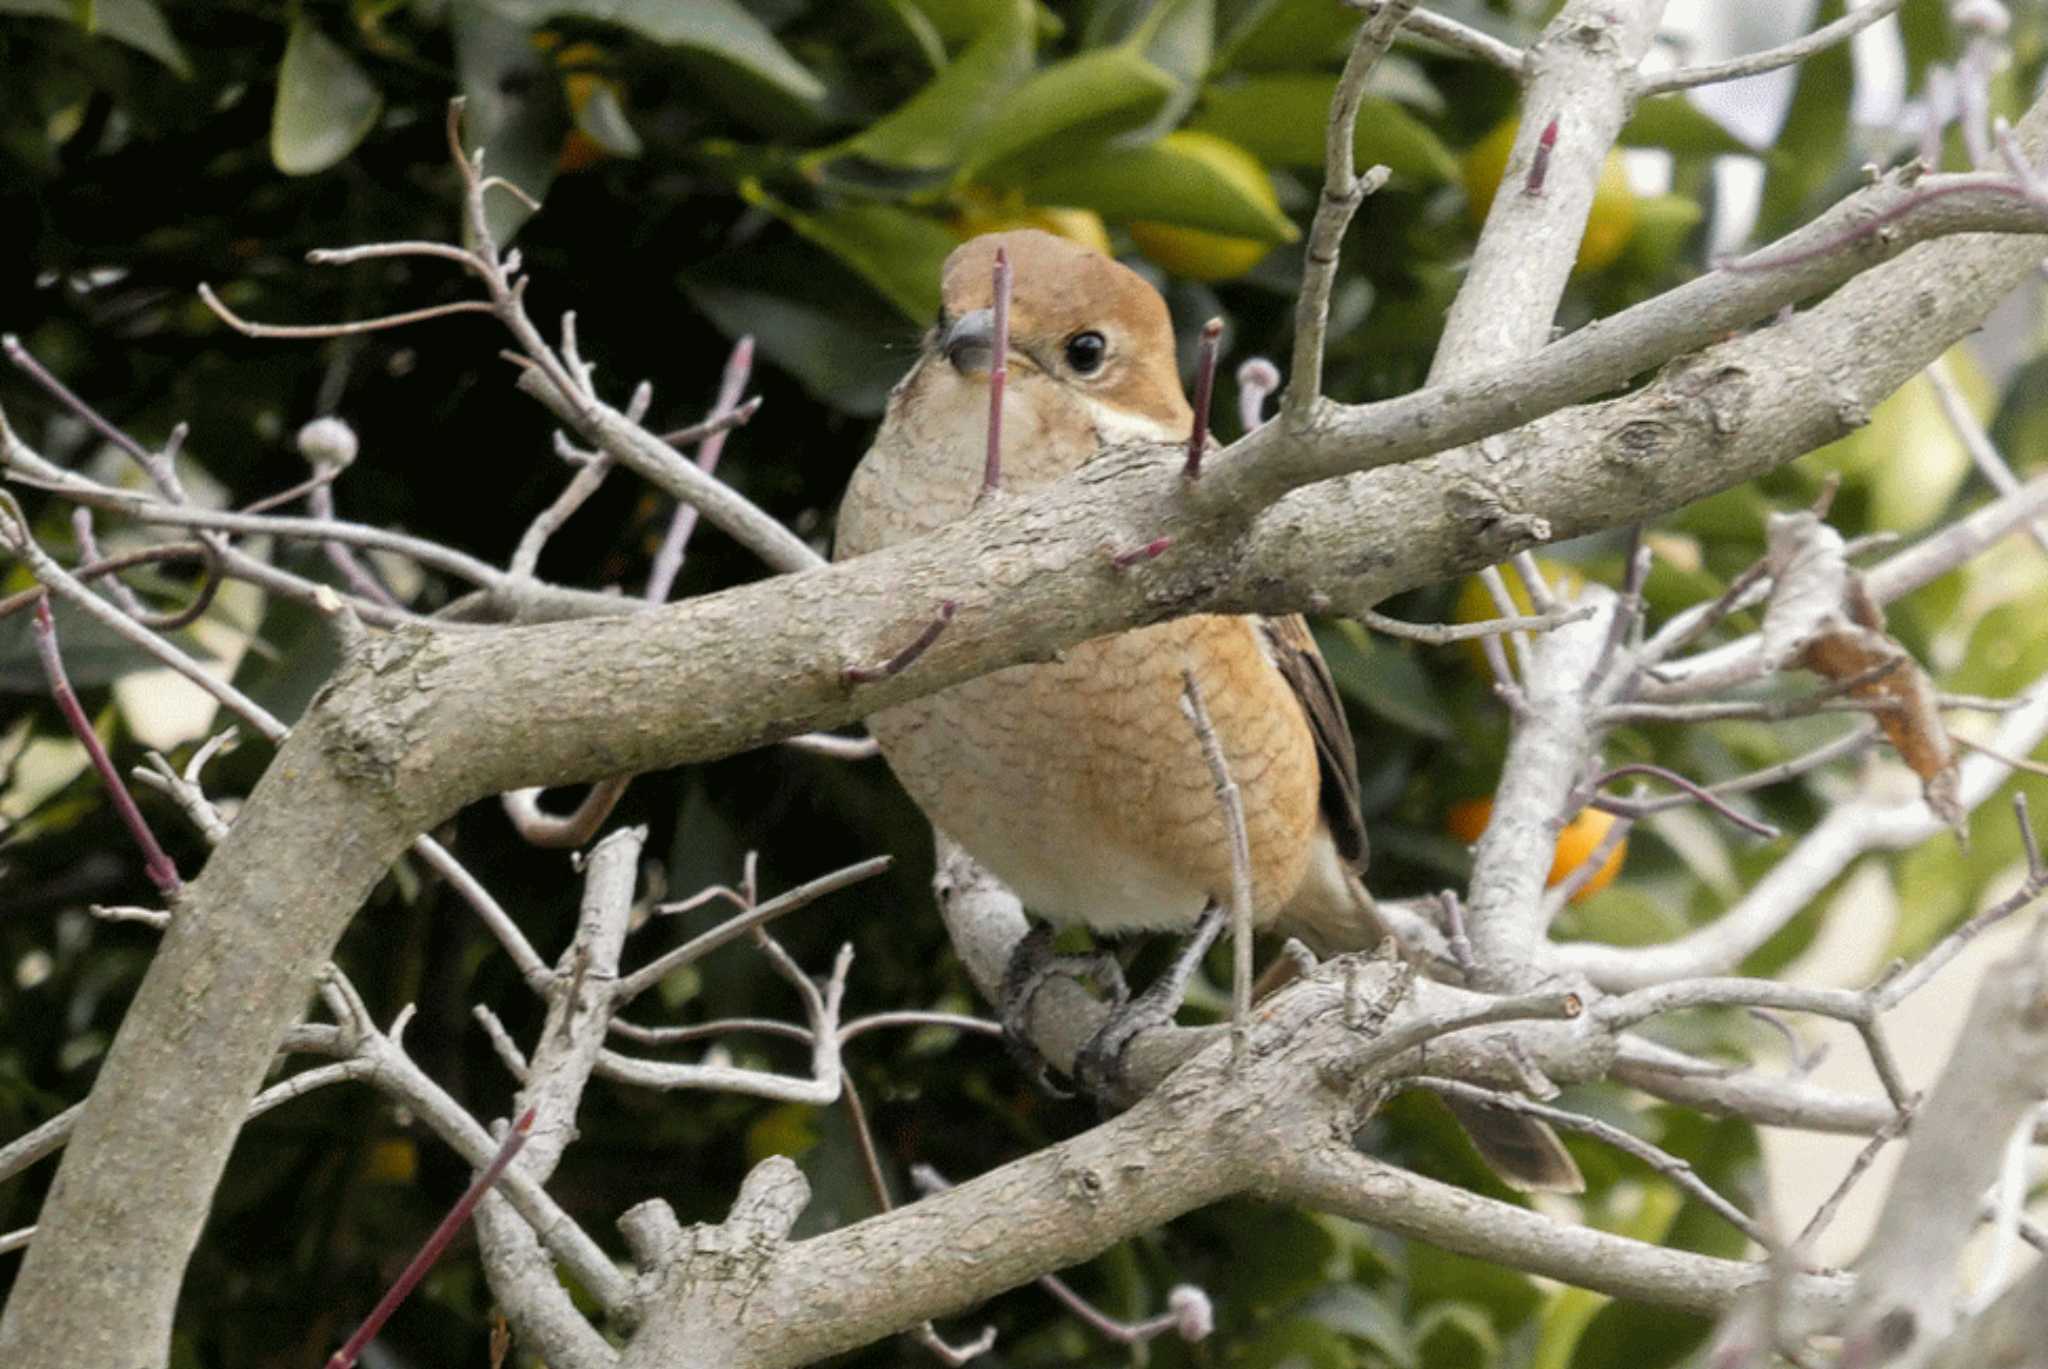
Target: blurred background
point(795, 171)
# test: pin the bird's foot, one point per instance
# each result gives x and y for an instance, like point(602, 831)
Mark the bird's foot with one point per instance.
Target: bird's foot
point(1099, 1068)
point(1032, 963)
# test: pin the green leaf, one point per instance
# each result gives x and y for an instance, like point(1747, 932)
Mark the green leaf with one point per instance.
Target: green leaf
point(1457, 1334)
point(723, 30)
point(807, 316)
point(1908, 457)
point(1069, 107)
point(138, 24)
point(1681, 128)
point(1177, 36)
point(1364, 1315)
point(917, 31)
point(325, 104)
point(1278, 35)
point(897, 252)
point(1814, 138)
point(1296, 1343)
point(935, 128)
point(1664, 225)
point(1384, 678)
point(1280, 120)
point(958, 21)
point(1726, 1155)
point(1925, 34)
point(2021, 428)
point(1162, 183)
point(514, 111)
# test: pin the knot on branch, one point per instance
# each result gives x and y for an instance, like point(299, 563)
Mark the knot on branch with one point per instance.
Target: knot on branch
point(370, 707)
point(1499, 530)
point(1639, 443)
point(696, 1281)
point(1717, 396)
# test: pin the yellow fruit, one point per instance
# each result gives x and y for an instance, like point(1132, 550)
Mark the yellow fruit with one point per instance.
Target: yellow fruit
point(1475, 604)
point(394, 1160)
point(579, 150)
point(1194, 253)
point(1580, 838)
point(1610, 223)
point(988, 211)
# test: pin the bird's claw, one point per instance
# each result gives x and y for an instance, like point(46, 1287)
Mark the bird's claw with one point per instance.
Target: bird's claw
point(1032, 963)
point(1099, 1066)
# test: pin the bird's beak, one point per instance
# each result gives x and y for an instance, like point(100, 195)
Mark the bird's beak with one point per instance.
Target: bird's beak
point(969, 341)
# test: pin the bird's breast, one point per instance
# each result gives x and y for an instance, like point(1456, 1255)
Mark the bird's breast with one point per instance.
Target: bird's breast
point(1082, 785)
point(928, 460)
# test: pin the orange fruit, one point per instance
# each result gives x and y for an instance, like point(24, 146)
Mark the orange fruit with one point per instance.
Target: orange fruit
point(1580, 838)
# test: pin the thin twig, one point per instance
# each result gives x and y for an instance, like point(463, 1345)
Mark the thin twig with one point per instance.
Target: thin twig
point(668, 562)
point(158, 866)
point(901, 661)
point(1825, 1213)
point(98, 422)
point(1673, 1167)
point(1205, 390)
point(1701, 793)
point(639, 981)
point(1990, 463)
point(1463, 38)
point(1443, 634)
point(250, 328)
point(1756, 63)
point(1343, 191)
point(435, 1244)
point(998, 375)
point(1845, 745)
point(1231, 801)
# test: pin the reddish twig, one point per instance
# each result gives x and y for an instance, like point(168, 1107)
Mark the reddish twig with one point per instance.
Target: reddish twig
point(1205, 388)
point(721, 423)
point(250, 328)
point(1539, 165)
point(430, 1252)
point(1124, 560)
point(668, 562)
point(35, 371)
point(1961, 184)
point(1698, 791)
point(162, 872)
point(109, 565)
point(325, 475)
point(998, 376)
point(897, 664)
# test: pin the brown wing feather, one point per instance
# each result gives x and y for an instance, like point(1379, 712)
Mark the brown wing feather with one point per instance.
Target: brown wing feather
point(1308, 675)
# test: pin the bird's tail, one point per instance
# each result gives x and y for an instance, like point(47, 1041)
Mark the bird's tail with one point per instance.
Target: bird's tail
point(1334, 913)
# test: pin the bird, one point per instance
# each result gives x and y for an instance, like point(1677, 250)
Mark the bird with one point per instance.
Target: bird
point(1080, 782)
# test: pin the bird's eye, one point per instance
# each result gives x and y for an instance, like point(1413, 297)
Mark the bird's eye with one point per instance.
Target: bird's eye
point(1085, 352)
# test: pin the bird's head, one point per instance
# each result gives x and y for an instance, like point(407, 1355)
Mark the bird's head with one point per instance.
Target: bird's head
point(1077, 319)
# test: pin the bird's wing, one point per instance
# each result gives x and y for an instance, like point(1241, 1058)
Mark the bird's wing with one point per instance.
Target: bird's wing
point(1308, 675)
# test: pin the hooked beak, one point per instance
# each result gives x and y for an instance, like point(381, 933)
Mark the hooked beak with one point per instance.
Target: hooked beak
point(969, 341)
